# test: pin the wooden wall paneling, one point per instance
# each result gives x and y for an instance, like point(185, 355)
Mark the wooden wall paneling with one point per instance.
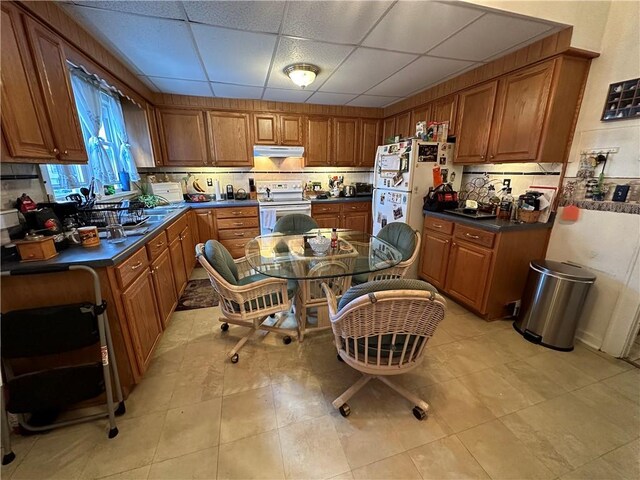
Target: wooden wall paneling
point(230, 139)
point(475, 112)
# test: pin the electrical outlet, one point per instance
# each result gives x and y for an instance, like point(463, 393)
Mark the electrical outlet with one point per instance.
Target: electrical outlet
point(507, 182)
point(209, 182)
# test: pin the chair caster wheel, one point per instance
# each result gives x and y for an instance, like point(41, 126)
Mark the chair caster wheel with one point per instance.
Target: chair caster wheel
point(286, 340)
point(8, 458)
point(339, 358)
point(120, 410)
point(224, 327)
point(345, 410)
point(235, 358)
point(273, 315)
point(419, 413)
point(113, 432)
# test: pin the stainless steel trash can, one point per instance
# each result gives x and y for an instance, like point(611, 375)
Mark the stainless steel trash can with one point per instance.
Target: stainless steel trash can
point(552, 303)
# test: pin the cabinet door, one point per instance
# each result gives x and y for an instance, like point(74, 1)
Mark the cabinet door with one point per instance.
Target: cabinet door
point(164, 286)
point(356, 221)
point(327, 221)
point(291, 130)
point(142, 317)
point(182, 137)
point(445, 110)
point(345, 142)
point(24, 121)
point(388, 130)
point(318, 149)
point(188, 252)
point(467, 273)
point(403, 125)
point(434, 258)
point(475, 111)
point(177, 263)
point(204, 221)
point(420, 114)
point(195, 235)
point(265, 129)
point(520, 112)
point(154, 134)
point(55, 85)
point(229, 139)
point(369, 141)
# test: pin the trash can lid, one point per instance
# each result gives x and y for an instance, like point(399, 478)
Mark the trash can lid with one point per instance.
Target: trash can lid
point(563, 270)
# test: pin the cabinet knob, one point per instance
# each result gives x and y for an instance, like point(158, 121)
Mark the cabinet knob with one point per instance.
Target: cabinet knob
point(56, 151)
point(492, 156)
point(481, 157)
point(66, 152)
point(159, 244)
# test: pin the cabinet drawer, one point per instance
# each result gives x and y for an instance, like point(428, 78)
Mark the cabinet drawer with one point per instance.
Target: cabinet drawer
point(128, 270)
point(235, 247)
point(356, 207)
point(437, 225)
point(157, 245)
point(237, 212)
point(174, 230)
point(474, 235)
point(229, 223)
point(238, 234)
point(326, 208)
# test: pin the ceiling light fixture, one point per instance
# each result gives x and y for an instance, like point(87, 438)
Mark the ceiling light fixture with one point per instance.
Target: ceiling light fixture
point(302, 74)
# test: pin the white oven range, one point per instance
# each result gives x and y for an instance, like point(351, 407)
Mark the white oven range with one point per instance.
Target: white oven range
point(278, 198)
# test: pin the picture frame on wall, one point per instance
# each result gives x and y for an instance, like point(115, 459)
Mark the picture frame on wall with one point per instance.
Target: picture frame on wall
point(623, 101)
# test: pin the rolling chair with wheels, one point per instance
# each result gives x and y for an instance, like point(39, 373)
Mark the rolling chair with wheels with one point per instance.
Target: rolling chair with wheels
point(247, 298)
point(381, 329)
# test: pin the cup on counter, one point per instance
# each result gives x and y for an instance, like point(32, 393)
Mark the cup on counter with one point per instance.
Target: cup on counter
point(116, 233)
point(89, 236)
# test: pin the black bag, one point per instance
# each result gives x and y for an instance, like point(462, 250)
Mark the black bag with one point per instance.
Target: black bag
point(443, 197)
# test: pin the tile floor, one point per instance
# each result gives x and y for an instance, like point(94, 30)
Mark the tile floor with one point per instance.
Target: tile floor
point(500, 408)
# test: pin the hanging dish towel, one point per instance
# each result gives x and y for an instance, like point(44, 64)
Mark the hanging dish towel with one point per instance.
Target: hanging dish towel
point(267, 220)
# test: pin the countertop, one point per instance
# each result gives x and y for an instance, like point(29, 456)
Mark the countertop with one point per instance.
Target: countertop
point(491, 224)
point(342, 199)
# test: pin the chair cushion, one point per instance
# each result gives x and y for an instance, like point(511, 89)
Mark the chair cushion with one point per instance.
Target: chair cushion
point(401, 236)
point(384, 285)
point(295, 223)
point(221, 261)
point(360, 279)
point(292, 285)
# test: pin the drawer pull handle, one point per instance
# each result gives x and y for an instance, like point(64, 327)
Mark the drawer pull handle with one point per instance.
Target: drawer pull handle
point(472, 236)
point(436, 225)
point(136, 266)
point(238, 224)
point(236, 213)
point(354, 208)
point(239, 245)
point(159, 244)
point(239, 234)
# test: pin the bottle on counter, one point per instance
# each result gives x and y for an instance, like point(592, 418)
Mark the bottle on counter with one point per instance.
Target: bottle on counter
point(334, 238)
point(506, 205)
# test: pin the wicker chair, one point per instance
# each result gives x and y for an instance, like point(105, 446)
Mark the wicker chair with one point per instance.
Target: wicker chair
point(247, 298)
point(381, 329)
point(295, 223)
point(405, 239)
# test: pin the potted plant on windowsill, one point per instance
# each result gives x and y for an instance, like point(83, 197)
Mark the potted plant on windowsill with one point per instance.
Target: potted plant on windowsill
point(147, 198)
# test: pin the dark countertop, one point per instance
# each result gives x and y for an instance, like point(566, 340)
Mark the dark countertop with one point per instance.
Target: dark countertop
point(491, 224)
point(342, 199)
point(223, 203)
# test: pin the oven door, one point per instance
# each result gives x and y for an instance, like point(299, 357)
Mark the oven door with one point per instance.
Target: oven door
point(268, 219)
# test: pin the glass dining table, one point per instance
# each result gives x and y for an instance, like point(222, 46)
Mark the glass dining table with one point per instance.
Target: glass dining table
point(291, 257)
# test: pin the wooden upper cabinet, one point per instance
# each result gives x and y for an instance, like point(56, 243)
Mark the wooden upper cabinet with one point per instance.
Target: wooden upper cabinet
point(154, 134)
point(24, 121)
point(55, 84)
point(403, 125)
point(519, 117)
point(182, 136)
point(318, 148)
point(369, 141)
point(475, 111)
point(388, 129)
point(291, 130)
point(345, 142)
point(229, 139)
point(420, 114)
point(445, 110)
point(265, 129)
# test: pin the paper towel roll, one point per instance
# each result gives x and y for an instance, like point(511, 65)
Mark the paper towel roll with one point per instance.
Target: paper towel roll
point(217, 189)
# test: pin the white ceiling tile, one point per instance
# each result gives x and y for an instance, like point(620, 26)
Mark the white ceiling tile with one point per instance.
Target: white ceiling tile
point(236, 91)
point(423, 72)
point(340, 22)
point(182, 87)
point(284, 95)
point(233, 56)
point(292, 50)
point(147, 81)
point(418, 26)
point(255, 16)
point(158, 47)
point(164, 9)
point(488, 36)
point(364, 68)
point(372, 101)
point(324, 98)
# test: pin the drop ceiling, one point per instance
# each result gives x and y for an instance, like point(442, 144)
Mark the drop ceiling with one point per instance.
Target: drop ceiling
point(370, 53)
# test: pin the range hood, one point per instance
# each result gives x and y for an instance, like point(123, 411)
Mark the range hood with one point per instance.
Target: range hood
point(277, 151)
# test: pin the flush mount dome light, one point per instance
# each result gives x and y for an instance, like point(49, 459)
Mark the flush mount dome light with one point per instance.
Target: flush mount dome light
point(302, 74)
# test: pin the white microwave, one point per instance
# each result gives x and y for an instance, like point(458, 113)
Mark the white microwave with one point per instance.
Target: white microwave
point(170, 191)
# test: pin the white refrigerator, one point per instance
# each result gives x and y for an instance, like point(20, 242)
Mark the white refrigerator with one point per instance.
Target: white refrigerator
point(402, 177)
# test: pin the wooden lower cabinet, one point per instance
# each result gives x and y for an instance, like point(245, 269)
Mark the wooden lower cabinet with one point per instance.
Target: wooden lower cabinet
point(235, 227)
point(145, 327)
point(351, 215)
point(205, 224)
point(177, 262)
point(164, 286)
point(188, 251)
point(481, 269)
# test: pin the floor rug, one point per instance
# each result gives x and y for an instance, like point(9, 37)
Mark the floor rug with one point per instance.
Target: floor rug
point(198, 294)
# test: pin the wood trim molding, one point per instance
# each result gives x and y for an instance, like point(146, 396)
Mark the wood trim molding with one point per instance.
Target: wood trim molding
point(555, 44)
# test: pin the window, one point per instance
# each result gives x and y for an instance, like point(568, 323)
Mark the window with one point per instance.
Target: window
point(106, 140)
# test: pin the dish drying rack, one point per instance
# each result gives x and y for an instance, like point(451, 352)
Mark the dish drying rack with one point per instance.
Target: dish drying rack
point(127, 214)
